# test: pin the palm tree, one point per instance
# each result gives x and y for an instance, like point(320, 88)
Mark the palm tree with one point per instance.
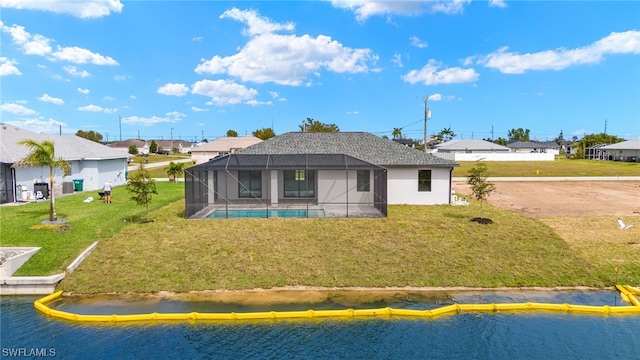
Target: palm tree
point(397, 133)
point(174, 170)
point(43, 154)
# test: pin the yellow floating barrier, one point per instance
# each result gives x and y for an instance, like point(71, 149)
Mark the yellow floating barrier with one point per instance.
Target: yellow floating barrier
point(627, 293)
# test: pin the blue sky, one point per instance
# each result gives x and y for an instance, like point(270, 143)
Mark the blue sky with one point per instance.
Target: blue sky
point(193, 69)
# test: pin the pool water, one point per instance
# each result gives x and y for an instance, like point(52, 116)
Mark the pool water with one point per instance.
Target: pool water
point(266, 213)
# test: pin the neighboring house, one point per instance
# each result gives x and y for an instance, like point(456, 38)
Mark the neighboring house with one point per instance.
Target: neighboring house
point(549, 147)
point(166, 146)
point(90, 161)
point(595, 152)
point(222, 146)
point(406, 142)
point(141, 145)
point(470, 146)
point(349, 169)
point(623, 151)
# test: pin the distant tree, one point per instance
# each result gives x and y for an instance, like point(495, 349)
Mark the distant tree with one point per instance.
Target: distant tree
point(142, 187)
point(316, 126)
point(153, 147)
point(397, 133)
point(385, 137)
point(480, 187)
point(174, 170)
point(264, 133)
point(501, 141)
point(43, 154)
point(232, 133)
point(559, 139)
point(591, 140)
point(90, 135)
point(133, 150)
point(518, 134)
point(205, 140)
point(446, 134)
point(174, 150)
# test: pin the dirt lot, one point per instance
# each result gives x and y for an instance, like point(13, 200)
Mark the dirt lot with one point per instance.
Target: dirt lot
point(573, 198)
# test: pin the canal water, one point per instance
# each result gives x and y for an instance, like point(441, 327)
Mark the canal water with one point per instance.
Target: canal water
point(497, 335)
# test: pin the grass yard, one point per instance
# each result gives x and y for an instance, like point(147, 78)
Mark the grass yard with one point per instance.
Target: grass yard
point(87, 222)
point(154, 158)
point(414, 246)
point(561, 167)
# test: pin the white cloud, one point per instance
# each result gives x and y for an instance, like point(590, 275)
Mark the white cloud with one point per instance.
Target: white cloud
point(132, 97)
point(84, 91)
point(258, 103)
point(514, 63)
point(397, 60)
point(364, 9)
point(37, 125)
point(148, 121)
point(223, 92)
point(82, 9)
point(256, 24)
point(121, 77)
point(31, 44)
point(292, 58)
point(7, 67)
point(50, 99)
point(73, 71)
point(497, 3)
point(431, 75)
point(435, 97)
point(110, 110)
point(17, 109)
point(107, 98)
point(173, 89)
point(197, 109)
point(196, 39)
point(415, 41)
point(353, 112)
point(92, 108)
point(176, 114)
point(79, 55)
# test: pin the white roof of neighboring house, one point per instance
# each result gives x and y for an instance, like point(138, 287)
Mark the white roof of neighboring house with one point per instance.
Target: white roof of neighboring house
point(471, 145)
point(226, 144)
point(67, 147)
point(633, 144)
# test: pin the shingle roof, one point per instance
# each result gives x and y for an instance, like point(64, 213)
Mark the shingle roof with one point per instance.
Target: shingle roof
point(360, 145)
point(68, 147)
point(633, 144)
point(238, 161)
point(471, 144)
point(227, 143)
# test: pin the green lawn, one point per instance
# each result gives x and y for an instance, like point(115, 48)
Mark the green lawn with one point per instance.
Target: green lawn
point(87, 222)
point(560, 167)
point(414, 246)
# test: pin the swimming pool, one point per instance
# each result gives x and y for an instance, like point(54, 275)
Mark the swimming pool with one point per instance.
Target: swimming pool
point(266, 213)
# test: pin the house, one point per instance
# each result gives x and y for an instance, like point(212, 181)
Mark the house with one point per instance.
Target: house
point(181, 146)
point(351, 170)
point(90, 161)
point(141, 145)
point(549, 147)
point(623, 151)
point(471, 146)
point(222, 146)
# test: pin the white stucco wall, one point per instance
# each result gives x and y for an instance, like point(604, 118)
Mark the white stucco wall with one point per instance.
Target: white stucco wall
point(93, 172)
point(332, 189)
point(402, 187)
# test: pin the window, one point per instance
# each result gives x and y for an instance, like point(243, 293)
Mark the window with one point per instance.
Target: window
point(424, 180)
point(363, 180)
point(250, 184)
point(299, 183)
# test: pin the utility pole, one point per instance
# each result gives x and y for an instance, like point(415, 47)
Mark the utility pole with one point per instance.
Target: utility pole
point(172, 138)
point(491, 132)
point(605, 126)
point(202, 138)
point(120, 123)
point(426, 116)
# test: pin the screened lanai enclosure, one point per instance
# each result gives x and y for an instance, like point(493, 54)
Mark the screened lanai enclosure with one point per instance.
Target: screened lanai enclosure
point(285, 185)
